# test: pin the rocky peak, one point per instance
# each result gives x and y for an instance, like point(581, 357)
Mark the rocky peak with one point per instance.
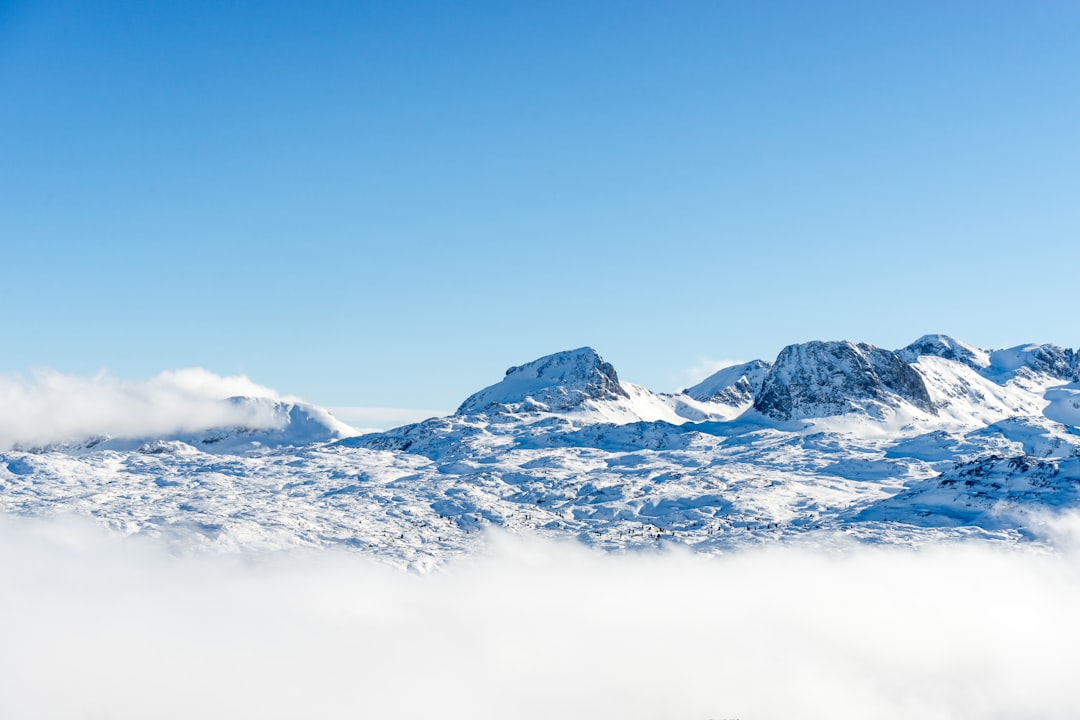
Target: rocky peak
point(556, 383)
point(822, 379)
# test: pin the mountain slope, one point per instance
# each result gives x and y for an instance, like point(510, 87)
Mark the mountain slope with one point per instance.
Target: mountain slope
point(735, 386)
point(936, 441)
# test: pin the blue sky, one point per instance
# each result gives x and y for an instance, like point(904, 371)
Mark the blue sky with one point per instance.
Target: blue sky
point(387, 204)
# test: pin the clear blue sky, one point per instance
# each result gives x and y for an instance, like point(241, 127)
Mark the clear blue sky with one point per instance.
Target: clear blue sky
point(388, 203)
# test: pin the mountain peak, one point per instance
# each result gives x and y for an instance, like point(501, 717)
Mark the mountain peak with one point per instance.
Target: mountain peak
point(559, 382)
point(734, 385)
point(822, 379)
point(948, 348)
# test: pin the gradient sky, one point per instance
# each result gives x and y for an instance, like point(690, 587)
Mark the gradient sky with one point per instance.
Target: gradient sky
point(388, 203)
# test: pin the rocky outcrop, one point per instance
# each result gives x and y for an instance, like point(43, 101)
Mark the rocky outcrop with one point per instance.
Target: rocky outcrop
point(823, 379)
point(561, 382)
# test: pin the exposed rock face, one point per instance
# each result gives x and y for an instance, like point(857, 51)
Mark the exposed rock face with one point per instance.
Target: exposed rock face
point(823, 379)
point(736, 385)
point(555, 383)
point(946, 347)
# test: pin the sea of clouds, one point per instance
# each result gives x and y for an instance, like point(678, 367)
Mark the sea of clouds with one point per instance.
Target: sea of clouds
point(98, 626)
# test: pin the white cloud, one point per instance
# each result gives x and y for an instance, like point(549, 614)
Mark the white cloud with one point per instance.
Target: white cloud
point(52, 407)
point(99, 627)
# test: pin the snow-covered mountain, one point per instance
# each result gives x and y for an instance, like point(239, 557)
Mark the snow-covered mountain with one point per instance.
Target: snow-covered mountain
point(943, 346)
point(736, 385)
point(823, 379)
point(563, 382)
point(936, 440)
point(262, 425)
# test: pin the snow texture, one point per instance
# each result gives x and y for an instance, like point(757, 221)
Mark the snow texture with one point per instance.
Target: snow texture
point(937, 441)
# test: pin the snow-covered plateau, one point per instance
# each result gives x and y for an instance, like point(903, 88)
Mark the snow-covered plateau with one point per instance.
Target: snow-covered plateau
point(830, 441)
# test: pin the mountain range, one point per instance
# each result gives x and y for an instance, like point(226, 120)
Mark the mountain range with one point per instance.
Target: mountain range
point(830, 441)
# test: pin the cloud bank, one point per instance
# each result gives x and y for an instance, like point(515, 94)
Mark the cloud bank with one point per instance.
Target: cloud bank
point(98, 627)
point(52, 407)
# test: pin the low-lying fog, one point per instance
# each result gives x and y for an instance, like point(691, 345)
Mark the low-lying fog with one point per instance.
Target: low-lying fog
point(96, 626)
